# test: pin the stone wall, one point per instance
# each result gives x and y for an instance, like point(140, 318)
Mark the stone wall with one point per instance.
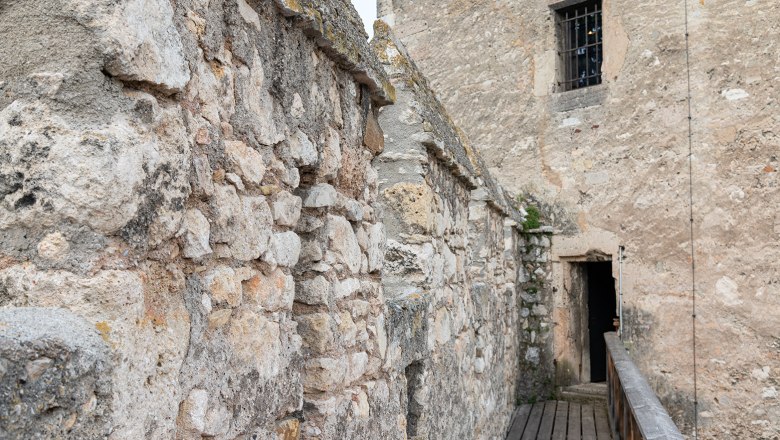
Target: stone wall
point(191, 178)
point(613, 161)
point(451, 266)
point(203, 236)
point(535, 299)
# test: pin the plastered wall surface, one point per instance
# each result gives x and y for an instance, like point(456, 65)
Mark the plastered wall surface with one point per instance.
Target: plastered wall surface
point(611, 163)
point(204, 232)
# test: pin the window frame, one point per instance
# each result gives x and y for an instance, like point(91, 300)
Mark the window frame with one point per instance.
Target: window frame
point(568, 18)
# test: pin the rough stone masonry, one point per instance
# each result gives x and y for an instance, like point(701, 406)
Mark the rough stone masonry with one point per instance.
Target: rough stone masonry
point(210, 227)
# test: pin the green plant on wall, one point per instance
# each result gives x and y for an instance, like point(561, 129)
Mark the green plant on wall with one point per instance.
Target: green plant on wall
point(532, 218)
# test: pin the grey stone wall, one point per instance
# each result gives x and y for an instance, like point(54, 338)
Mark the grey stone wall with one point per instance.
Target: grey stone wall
point(197, 204)
point(451, 267)
point(535, 297)
point(193, 180)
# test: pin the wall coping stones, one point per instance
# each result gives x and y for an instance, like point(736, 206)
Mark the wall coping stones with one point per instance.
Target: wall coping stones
point(338, 31)
point(444, 139)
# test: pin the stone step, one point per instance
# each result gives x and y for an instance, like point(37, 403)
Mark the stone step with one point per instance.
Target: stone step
point(595, 393)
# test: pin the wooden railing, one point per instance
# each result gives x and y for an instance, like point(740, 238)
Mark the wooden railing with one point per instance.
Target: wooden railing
point(635, 412)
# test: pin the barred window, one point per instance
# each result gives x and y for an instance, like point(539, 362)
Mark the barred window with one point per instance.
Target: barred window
point(579, 36)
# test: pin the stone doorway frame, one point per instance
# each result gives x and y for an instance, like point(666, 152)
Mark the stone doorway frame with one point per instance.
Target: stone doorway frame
point(571, 339)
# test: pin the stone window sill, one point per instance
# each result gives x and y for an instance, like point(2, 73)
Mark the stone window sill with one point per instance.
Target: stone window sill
point(579, 98)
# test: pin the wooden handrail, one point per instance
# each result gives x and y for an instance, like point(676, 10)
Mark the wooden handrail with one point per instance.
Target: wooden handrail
point(635, 412)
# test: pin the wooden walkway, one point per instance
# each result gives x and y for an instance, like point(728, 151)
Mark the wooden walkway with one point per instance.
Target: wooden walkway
point(557, 420)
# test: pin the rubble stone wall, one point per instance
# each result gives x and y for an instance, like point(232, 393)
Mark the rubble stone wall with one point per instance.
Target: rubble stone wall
point(451, 266)
point(202, 234)
point(536, 327)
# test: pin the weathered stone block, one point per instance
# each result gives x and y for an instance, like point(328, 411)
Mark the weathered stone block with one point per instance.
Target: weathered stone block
point(286, 247)
point(317, 331)
point(241, 222)
point(324, 374)
point(196, 234)
point(343, 243)
point(273, 292)
point(56, 379)
point(245, 161)
point(316, 291)
point(374, 139)
point(192, 413)
point(255, 344)
point(331, 156)
point(223, 286)
point(320, 196)
point(302, 150)
point(287, 209)
point(143, 43)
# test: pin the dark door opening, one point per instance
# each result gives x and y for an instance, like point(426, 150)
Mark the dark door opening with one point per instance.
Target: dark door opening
point(601, 311)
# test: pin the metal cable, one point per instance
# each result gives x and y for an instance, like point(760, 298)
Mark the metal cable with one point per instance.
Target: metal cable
point(693, 249)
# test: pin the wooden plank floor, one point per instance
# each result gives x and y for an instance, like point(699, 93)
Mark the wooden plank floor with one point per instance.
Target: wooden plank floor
point(557, 420)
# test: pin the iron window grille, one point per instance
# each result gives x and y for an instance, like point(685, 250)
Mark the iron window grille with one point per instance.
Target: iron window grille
point(580, 49)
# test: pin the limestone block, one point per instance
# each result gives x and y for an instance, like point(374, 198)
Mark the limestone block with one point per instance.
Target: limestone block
point(255, 344)
point(311, 251)
point(235, 180)
point(331, 156)
point(224, 286)
point(350, 208)
point(254, 97)
point(358, 364)
point(479, 365)
point(302, 150)
point(362, 237)
point(374, 139)
point(245, 161)
point(359, 308)
point(139, 39)
point(443, 326)
point(450, 263)
point(92, 175)
point(414, 204)
point(347, 329)
point(324, 374)
point(196, 234)
point(320, 196)
point(286, 247)
point(343, 243)
point(346, 288)
point(376, 247)
point(360, 406)
point(56, 379)
point(273, 292)
point(317, 331)
point(309, 223)
point(381, 335)
point(316, 291)
point(287, 209)
point(202, 182)
point(243, 223)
